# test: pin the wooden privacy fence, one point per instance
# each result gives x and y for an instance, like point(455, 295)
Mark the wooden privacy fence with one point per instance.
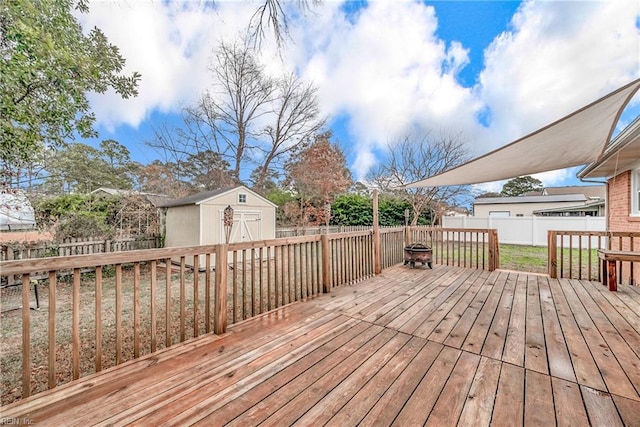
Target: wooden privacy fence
point(307, 231)
point(73, 246)
point(574, 254)
point(99, 310)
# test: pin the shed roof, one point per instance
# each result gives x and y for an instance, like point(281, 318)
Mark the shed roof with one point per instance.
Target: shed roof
point(197, 199)
point(577, 139)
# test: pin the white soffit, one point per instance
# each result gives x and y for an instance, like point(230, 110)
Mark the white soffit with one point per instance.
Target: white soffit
point(577, 139)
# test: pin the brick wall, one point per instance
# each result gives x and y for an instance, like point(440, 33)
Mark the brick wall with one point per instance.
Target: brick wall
point(619, 204)
point(619, 209)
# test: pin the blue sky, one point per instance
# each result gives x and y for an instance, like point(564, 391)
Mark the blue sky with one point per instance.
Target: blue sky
point(493, 71)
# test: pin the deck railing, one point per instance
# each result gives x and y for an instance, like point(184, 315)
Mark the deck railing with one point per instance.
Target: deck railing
point(100, 310)
point(574, 254)
point(461, 247)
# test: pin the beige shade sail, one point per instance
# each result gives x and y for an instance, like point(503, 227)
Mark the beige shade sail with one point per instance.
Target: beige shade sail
point(577, 139)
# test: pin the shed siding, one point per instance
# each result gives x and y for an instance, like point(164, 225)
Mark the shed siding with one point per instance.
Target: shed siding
point(210, 224)
point(183, 225)
point(212, 217)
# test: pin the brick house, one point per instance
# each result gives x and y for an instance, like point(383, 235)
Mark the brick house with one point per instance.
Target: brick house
point(580, 138)
point(619, 166)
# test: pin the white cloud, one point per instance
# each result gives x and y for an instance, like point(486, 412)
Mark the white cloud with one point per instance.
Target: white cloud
point(169, 43)
point(384, 68)
point(559, 56)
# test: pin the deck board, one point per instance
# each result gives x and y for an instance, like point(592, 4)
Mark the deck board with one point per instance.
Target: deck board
point(448, 346)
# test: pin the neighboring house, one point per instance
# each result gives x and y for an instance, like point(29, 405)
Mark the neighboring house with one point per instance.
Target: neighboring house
point(619, 166)
point(153, 199)
point(561, 201)
point(199, 219)
point(456, 211)
point(139, 214)
point(16, 212)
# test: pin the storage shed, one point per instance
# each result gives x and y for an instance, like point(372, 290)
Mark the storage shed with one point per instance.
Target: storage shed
point(199, 219)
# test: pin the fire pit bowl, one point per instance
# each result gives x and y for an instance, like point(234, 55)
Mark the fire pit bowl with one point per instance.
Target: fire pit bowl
point(417, 252)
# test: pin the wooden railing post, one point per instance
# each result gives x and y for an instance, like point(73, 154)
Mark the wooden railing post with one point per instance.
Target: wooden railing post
point(377, 268)
point(552, 253)
point(494, 250)
point(326, 263)
point(220, 301)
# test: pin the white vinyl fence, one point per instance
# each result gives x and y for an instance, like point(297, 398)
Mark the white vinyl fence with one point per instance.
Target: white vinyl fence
point(529, 230)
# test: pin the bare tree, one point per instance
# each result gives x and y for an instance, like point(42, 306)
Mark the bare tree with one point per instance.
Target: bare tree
point(247, 118)
point(415, 157)
point(296, 120)
point(238, 99)
point(271, 13)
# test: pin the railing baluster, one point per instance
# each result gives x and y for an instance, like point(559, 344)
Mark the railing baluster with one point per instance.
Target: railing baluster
point(196, 278)
point(75, 325)
point(26, 337)
point(277, 279)
point(207, 295)
point(152, 303)
point(244, 283)
point(98, 317)
point(183, 297)
point(291, 288)
point(118, 314)
point(260, 280)
point(269, 303)
point(253, 282)
point(168, 340)
point(52, 329)
point(234, 280)
point(136, 310)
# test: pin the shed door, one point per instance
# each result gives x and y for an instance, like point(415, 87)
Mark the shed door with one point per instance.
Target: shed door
point(247, 226)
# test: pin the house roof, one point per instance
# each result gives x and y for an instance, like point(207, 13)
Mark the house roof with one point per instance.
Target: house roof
point(619, 156)
point(16, 211)
point(577, 139)
point(576, 208)
point(590, 191)
point(531, 199)
point(111, 191)
point(197, 199)
point(154, 199)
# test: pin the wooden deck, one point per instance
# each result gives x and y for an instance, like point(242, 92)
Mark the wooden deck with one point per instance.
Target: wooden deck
point(448, 346)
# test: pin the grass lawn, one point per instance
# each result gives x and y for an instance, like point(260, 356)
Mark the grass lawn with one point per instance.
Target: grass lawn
point(533, 259)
